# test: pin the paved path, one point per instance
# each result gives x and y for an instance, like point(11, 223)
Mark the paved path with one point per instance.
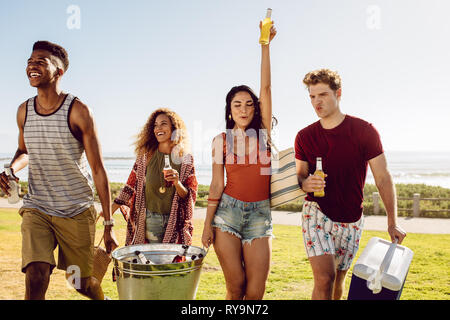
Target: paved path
point(379, 223)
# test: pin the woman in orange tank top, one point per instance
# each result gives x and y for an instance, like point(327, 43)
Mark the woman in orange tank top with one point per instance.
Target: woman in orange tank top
point(238, 220)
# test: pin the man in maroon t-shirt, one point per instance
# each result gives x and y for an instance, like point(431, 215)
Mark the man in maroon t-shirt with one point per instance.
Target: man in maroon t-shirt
point(332, 224)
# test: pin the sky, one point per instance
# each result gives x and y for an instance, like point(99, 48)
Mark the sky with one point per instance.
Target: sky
point(128, 58)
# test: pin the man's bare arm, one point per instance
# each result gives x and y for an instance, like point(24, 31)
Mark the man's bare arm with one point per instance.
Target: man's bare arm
point(385, 185)
point(20, 159)
point(83, 125)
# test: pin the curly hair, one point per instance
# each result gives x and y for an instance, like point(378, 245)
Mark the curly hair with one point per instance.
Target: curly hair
point(146, 142)
point(326, 76)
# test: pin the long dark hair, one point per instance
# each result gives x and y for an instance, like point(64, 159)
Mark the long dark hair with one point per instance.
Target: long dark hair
point(256, 123)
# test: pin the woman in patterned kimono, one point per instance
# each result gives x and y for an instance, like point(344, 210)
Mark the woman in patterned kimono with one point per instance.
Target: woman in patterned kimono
point(158, 206)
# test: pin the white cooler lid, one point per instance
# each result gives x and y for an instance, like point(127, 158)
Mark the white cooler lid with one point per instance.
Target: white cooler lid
point(372, 257)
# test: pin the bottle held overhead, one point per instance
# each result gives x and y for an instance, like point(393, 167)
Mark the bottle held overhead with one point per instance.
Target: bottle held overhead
point(13, 186)
point(265, 28)
point(319, 172)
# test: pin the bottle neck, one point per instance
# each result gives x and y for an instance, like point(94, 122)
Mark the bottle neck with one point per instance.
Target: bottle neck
point(166, 162)
point(319, 165)
point(269, 13)
point(8, 171)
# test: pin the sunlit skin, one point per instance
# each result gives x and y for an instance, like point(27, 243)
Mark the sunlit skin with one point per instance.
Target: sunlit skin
point(242, 110)
point(242, 113)
point(163, 131)
point(43, 70)
point(326, 104)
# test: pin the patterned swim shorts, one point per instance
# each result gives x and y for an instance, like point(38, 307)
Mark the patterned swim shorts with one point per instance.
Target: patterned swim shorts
point(322, 236)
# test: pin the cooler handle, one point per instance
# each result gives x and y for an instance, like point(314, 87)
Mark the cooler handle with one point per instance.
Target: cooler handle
point(374, 280)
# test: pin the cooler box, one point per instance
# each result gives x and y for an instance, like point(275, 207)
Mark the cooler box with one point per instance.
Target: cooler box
point(380, 272)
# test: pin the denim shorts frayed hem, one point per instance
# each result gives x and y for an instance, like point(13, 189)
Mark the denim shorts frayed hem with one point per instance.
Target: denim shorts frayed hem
point(224, 228)
point(245, 220)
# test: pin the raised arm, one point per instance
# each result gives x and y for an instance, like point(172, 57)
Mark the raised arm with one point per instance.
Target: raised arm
point(265, 95)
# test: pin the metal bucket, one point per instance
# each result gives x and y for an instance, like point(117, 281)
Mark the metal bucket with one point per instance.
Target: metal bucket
point(162, 280)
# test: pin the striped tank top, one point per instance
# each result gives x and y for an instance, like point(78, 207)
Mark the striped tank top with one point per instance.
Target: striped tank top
point(59, 183)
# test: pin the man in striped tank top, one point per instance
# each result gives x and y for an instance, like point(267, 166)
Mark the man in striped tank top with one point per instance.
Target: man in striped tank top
point(57, 140)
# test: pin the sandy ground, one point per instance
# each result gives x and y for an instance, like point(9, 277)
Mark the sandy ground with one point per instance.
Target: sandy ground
point(379, 223)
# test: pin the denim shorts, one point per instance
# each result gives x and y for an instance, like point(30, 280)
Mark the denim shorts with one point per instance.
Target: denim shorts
point(155, 226)
point(245, 220)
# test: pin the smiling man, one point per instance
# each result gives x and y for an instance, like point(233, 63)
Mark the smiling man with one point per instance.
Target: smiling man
point(332, 225)
point(56, 134)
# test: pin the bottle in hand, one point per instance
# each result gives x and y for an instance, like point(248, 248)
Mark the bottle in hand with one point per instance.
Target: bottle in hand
point(167, 167)
point(13, 186)
point(319, 172)
point(265, 28)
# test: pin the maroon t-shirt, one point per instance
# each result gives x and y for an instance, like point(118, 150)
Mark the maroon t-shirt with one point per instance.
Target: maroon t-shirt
point(345, 151)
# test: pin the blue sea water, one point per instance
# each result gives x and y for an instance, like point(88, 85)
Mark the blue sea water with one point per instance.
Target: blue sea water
point(431, 168)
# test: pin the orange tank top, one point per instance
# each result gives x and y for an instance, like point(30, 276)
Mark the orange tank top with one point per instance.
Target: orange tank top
point(248, 177)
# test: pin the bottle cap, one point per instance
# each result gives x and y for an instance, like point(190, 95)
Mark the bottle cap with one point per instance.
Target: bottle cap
point(269, 13)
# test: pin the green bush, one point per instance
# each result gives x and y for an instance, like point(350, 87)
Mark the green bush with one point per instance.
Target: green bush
point(403, 191)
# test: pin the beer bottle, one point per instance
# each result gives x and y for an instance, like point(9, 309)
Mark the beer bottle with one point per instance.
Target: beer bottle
point(265, 28)
point(167, 167)
point(13, 186)
point(319, 172)
point(142, 258)
point(181, 257)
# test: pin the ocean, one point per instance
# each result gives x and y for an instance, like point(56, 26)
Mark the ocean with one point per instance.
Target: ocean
point(430, 168)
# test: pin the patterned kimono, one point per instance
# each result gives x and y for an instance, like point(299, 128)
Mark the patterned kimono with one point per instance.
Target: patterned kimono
point(132, 204)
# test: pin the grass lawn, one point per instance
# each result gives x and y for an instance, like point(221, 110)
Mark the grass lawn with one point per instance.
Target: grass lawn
point(290, 276)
